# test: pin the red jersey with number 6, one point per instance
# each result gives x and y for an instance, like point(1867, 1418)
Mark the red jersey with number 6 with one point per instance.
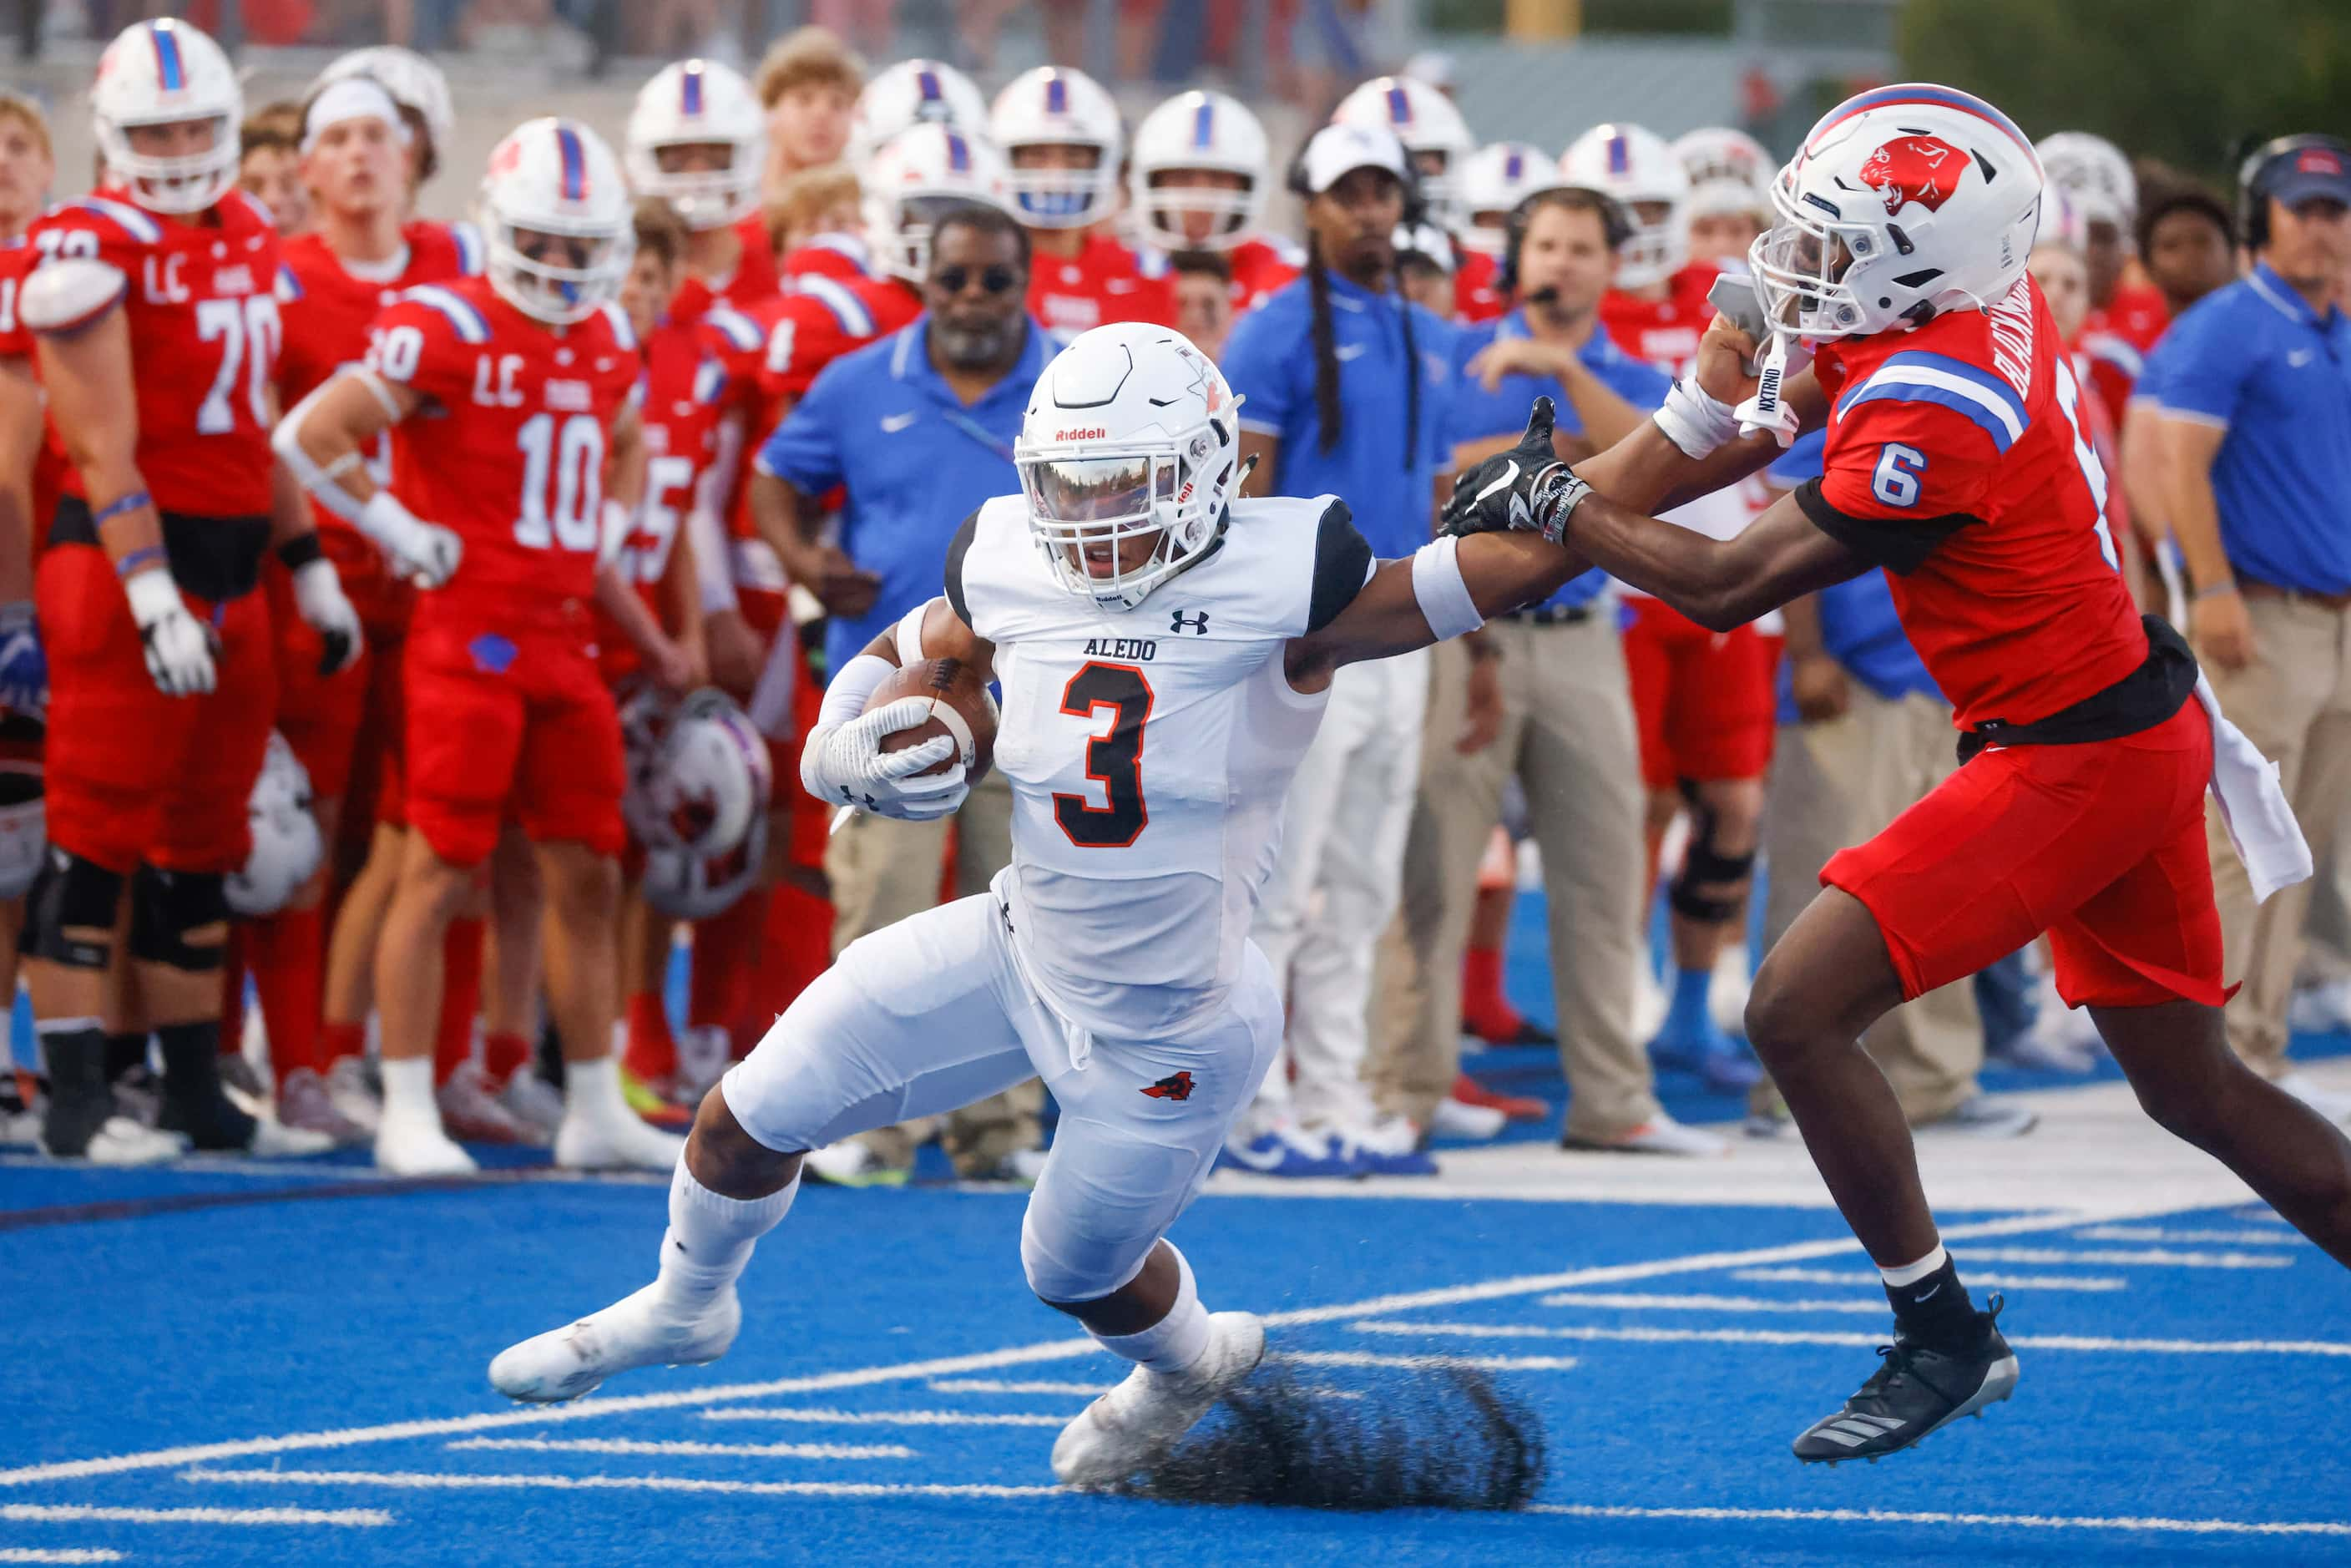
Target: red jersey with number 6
point(509, 447)
point(1959, 458)
point(204, 335)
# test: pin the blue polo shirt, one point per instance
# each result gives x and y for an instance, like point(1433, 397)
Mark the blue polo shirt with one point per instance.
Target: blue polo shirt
point(1480, 416)
point(1270, 360)
point(916, 463)
point(2254, 360)
point(1858, 626)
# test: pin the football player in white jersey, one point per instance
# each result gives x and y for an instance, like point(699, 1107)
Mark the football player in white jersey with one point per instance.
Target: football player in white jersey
point(1166, 648)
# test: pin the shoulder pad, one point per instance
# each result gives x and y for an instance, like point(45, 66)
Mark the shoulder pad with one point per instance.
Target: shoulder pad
point(67, 293)
point(470, 251)
point(471, 325)
point(132, 222)
point(617, 319)
point(841, 302)
point(736, 330)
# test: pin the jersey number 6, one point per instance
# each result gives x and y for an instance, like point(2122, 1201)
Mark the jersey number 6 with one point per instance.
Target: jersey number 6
point(1113, 760)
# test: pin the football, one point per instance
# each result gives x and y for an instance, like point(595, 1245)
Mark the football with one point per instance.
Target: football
point(961, 709)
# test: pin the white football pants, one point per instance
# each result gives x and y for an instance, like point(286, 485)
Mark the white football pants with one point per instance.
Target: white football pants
point(1335, 884)
point(930, 1014)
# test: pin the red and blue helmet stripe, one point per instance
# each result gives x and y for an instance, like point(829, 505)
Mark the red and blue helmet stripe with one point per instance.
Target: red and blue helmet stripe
point(958, 153)
point(1204, 123)
point(1620, 153)
point(1057, 95)
point(1399, 105)
point(575, 161)
point(927, 84)
point(170, 70)
point(1926, 93)
point(690, 91)
point(1514, 166)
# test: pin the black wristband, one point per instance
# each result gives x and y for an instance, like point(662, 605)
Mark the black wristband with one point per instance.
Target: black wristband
point(301, 550)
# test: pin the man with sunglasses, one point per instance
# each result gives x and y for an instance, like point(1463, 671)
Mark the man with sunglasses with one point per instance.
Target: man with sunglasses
point(918, 430)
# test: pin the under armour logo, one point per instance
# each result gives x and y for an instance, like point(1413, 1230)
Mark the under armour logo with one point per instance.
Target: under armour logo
point(1197, 622)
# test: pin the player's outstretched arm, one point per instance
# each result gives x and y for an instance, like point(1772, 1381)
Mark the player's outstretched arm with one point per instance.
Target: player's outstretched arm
point(1691, 448)
point(1447, 588)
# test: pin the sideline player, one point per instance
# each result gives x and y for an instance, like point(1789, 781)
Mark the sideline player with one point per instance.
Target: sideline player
point(1956, 463)
point(697, 140)
point(1149, 771)
point(1060, 133)
point(1198, 179)
point(506, 393)
point(156, 311)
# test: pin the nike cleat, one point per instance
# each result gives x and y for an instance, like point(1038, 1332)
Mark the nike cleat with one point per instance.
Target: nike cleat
point(1918, 1390)
point(1135, 1425)
point(640, 1330)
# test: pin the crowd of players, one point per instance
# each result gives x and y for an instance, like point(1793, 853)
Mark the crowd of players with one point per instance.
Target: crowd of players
point(433, 642)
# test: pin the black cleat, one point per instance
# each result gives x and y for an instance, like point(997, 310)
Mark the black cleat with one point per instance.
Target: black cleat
point(1918, 1390)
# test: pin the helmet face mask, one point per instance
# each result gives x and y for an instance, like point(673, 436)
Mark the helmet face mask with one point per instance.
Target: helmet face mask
point(165, 109)
point(1060, 134)
point(1199, 173)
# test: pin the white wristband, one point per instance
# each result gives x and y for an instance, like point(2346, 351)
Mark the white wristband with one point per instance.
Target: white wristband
point(1444, 598)
point(910, 633)
point(845, 695)
point(1693, 421)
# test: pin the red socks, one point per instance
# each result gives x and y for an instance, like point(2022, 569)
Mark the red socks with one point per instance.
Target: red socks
point(337, 1040)
point(461, 996)
point(503, 1055)
point(1485, 1011)
point(651, 1055)
point(725, 947)
point(289, 953)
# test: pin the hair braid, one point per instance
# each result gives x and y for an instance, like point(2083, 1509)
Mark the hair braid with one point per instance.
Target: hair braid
point(1411, 369)
point(1327, 405)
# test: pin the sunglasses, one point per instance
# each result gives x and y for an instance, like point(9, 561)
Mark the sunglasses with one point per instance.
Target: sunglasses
point(992, 279)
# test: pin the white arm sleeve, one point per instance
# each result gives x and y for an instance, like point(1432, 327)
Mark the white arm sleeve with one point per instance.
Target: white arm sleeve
point(287, 442)
point(846, 696)
point(714, 567)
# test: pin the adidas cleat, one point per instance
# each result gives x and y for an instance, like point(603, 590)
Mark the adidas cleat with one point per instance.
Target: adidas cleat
point(1916, 1391)
point(1134, 1425)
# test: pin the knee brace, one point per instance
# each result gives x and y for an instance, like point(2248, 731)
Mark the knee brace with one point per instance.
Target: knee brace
point(70, 912)
point(179, 919)
point(1704, 866)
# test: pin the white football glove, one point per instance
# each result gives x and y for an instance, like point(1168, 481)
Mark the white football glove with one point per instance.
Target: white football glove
point(426, 554)
point(180, 648)
point(845, 765)
point(319, 595)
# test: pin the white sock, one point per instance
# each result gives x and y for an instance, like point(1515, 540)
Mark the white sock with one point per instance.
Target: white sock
point(710, 1238)
point(1175, 1341)
point(408, 1090)
point(1911, 1274)
point(593, 1090)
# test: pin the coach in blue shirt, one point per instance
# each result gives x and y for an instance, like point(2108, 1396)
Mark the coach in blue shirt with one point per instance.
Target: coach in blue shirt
point(1567, 731)
point(919, 429)
point(2254, 390)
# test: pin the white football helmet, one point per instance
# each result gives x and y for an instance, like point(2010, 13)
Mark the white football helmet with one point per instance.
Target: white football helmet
point(686, 887)
point(1729, 171)
point(556, 178)
point(1198, 131)
point(693, 103)
point(911, 93)
point(287, 847)
point(166, 73)
point(24, 820)
point(1431, 129)
point(928, 169)
point(1051, 107)
point(414, 81)
point(1903, 204)
point(1494, 179)
point(1131, 434)
point(1638, 169)
point(2094, 174)
point(698, 773)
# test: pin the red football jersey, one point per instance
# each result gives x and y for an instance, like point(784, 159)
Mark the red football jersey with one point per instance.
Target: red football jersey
point(1663, 332)
point(2118, 339)
point(18, 258)
point(509, 449)
point(839, 256)
point(330, 310)
point(684, 391)
point(204, 335)
point(755, 279)
point(1262, 268)
point(1975, 420)
point(826, 320)
point(1105, 283)
point(1475, 297)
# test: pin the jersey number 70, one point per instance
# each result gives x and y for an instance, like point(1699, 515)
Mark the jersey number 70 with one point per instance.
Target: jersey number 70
point(1114, 760)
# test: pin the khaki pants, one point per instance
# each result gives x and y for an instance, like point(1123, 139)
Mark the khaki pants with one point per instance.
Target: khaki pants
point(1836, 783)
point(884, 871)
point(1567, 733)
point(2293, 701)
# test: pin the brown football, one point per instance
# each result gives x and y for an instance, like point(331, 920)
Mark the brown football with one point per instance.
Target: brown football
point(961, 709)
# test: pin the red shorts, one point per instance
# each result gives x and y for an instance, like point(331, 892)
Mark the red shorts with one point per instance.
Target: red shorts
point(1703, 700)
point(510, 727)
point(318, 715)
point(133, 775)
point(2101, 845)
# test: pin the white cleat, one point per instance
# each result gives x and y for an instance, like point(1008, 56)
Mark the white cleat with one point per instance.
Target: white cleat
point(275, 1140)
point(634, 1331)
point(124, 1144)
point(417, 1146)
point(1135, 1425)
point(535, 1103)
point(614, 1141)
point(352, 1096)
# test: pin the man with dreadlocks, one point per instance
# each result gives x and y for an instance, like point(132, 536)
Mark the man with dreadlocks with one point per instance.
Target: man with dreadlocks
point(1344, 388)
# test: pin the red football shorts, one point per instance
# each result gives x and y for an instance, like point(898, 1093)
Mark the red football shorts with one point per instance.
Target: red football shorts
point(510, 726)
point(2101, 845)
point(1704, 701)
point(133, 775)
point(320, 716)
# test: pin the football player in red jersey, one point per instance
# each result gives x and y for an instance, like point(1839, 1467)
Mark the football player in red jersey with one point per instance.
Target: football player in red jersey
point(2125, 316)
point(523, 380)
point(157, 323)
point(813, 223)
point(1060, 133)
point(1198, 179)
point(1729, 195)
point(1957, 462)
point(698, 141)
point(29, 472)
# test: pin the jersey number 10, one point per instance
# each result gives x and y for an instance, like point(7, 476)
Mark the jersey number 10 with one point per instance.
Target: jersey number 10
point(562, 482)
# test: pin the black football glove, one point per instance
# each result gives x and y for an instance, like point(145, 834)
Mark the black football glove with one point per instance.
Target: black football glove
point(1527, 488)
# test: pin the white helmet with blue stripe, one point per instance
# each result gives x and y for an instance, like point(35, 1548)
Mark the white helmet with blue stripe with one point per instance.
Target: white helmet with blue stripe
point(1494, 179)
point(1192, 134)
point(1431, 129)
point(699, 103)
point(911, 93)
point(555, 212)
point(927, 170)
point(166, 73)
point(1055, 108)
point(1638, 170)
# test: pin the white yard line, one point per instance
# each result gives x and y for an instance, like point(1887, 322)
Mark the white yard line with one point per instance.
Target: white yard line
point(1987, 1277)
point(1981, 1521)
point(828, 1417)
point(999, 1385)
point(1783, 1336)
point(59, 1554)
point(426, 1480)
point(2246, 1237)
point(1636, 1304)
point(78, 1512)
point(1483, 1362)
point(2153, 1258)
point(642, 1446)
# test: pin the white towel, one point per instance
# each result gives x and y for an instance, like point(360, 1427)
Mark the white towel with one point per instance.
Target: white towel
point(2253, 805)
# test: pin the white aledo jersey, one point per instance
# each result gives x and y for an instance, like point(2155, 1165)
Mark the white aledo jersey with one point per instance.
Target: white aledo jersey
point(1150, 752)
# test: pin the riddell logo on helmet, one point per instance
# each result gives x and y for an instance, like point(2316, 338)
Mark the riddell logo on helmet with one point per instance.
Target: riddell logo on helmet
point(1921, 169)
point(1094, 434)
